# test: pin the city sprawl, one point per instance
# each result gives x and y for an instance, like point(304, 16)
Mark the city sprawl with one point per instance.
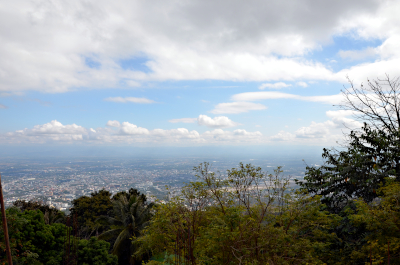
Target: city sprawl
point(57, 182)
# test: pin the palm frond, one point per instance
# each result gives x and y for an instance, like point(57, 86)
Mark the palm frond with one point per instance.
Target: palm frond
point(119, 244)
point(110, 234)
point(107, 220)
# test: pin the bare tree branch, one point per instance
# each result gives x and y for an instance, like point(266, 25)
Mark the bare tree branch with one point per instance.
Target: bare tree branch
point(377, 104)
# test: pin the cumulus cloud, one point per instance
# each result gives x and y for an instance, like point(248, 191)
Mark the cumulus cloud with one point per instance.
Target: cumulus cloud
point(176, 134)
point(360, 73)
point(341, 117)
point(237, 107)
point(183, 120)
point(52, 131)
point(253, 96)
point(56, 127)
point(132, 129)
point(113, 123)
point(278, 85)
point(204, 120)
point(235, 136)
point(125, 133)
point(51, 47)
point(217, 122)
point(323, 132)
point(246, 133)
point(302, 84)
point(315, 130)
point(130, 99)
point(328, 131)
point(356, 55)
point(283, 136)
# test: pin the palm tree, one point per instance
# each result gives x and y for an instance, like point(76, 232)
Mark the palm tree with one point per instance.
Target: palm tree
point(131, 213)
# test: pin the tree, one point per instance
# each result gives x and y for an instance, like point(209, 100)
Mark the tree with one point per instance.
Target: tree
point(247, 217)
point(33, 241)
point(94, 251)
point(368, 160)
point(131, 214)
point(372, 153)
point(377, 104)
point(382, 221)
point(51, 214)
point(88, 209)
point(357, 172)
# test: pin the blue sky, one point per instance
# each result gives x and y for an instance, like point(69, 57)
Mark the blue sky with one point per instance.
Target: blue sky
point(188, 73)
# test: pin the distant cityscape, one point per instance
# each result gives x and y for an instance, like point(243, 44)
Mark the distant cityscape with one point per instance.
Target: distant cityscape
point(57, 182)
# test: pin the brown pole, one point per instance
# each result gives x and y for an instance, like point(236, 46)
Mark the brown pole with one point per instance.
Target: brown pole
point(3, 215)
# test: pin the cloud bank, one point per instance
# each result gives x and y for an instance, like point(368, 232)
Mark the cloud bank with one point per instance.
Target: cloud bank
point(128, 133)
point(58, 46)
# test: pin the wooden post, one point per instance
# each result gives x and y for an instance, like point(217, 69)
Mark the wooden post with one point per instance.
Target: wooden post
point(3, 215)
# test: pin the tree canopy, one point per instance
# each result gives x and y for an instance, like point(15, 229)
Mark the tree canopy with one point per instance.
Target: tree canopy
point(131, 213)
point(88, 209)
point(248, 218)
point(371, 154)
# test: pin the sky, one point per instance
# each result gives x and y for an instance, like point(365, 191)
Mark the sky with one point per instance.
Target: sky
point(188, 73)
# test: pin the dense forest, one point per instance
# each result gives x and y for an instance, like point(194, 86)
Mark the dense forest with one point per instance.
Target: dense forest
point(346, 211)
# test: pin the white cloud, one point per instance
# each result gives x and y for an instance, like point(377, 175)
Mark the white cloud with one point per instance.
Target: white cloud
point(360, 73)
point(183, 120)
point(355, 55)
point(55, 127)
point(278, 85)
point(176, 134)
point(132, 129)
point(48, 44)
point(339, 113)
point(52, 131)
point(315, 130)
point(246, 133)
point(239, 135)
point(217, 122)
point(283, 136)
point(302, 84)
point(127, 133)
point(253, 96)
point(113, 123)
point(132, 83)
point(329, 131)
point(3, 106)
point(130, 99)
point(340, 117)
point(237, 107)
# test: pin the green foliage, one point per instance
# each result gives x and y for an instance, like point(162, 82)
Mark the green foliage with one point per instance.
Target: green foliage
point(357, 172)
point(246, 218)
point(32, 240)
point(95, 252)
point(88, 209)
point(51, 215)
point(35, 242)
point(131, 214)
point(382, 221)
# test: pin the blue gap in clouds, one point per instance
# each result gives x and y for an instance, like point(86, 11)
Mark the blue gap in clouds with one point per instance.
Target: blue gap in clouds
point(331, 51)
point(92, 63)
point(137, 63)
